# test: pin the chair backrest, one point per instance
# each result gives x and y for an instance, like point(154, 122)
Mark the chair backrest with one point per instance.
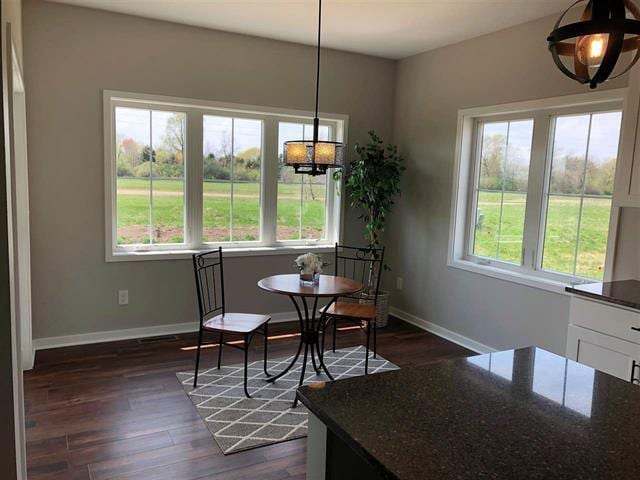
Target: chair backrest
point(209, 275)
point(363, 264)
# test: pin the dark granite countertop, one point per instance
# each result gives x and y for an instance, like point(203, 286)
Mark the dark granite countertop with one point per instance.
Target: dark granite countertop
point(623, 292)
point(521, 414)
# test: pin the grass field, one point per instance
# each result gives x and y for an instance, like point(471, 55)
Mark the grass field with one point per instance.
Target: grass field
point(561, 232)
point(492, 240)
point(168, 211)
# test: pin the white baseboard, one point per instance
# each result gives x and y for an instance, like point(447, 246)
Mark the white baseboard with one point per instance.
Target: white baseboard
point(133, 333)
point(441, 331)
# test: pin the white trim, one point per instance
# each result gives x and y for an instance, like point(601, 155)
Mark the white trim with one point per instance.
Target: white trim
point(541, 283)
point(551, 103)
point(134, 333)
point(445, 333)
point(185, 102)
point(6, 54)
point(530, 273)
point(20, 185)
point(228, 253)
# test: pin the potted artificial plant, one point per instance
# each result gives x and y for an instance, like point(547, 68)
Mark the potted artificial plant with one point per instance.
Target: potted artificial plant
point(372, 181)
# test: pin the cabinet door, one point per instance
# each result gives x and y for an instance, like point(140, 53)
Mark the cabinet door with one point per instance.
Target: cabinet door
point(627, 182)
point(603, 352)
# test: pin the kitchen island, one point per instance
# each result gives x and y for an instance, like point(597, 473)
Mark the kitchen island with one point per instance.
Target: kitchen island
point(523, 413)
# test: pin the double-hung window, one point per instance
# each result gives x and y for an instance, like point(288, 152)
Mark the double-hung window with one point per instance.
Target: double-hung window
point(185, 175)
point(534, 184)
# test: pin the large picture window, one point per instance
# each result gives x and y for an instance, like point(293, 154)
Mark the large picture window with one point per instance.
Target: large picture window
point(535, 193)
point(183, 175)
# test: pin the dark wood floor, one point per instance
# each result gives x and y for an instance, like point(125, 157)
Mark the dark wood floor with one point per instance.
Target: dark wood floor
point(116, 411)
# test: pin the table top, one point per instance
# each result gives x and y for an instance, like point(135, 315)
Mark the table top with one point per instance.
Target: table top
point(520, 414)
point(329, 286)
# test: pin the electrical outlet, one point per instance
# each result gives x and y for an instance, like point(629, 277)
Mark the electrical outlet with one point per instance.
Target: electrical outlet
point(123, 297)
point(399, 283)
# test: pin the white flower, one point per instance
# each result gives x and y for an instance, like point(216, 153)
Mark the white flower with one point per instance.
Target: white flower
point(309, 263)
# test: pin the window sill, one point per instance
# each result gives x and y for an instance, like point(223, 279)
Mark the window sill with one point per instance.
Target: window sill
point(540, 283)
point(133, 256)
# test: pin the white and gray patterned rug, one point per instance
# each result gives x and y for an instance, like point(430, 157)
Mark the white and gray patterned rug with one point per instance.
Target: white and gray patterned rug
point(238, 423)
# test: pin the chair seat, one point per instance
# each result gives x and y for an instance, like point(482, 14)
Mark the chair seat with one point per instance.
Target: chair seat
point(236, 322)
point(351, 310)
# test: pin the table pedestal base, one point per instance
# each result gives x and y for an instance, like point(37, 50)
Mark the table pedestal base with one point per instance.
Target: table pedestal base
point(309, 339)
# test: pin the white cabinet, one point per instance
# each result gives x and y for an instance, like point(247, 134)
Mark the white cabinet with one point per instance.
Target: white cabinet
point(608, 354)
point(604, 337)
point(627, 188)
point(622, 260)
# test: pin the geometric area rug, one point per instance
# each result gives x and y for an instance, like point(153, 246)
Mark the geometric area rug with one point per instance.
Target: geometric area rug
point(238, 423)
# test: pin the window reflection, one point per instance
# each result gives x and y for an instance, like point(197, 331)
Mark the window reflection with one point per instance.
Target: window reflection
point(499, 363)
point(555, 378)
point(565, 382)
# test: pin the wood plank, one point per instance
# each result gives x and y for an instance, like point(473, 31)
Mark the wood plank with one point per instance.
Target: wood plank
point(116, 410)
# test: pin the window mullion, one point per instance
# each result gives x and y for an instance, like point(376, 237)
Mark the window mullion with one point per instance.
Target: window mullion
point(151, 226)
point(194, 179)
point(582, 191)
point(329, 197)
point(474, 178)
point(533, 224)
point(269, 181)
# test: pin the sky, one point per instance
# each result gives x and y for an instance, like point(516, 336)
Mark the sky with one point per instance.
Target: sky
point(218, 131)
point(570, 139)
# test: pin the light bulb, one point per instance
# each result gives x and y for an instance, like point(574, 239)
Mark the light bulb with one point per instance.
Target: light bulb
point(591, 49)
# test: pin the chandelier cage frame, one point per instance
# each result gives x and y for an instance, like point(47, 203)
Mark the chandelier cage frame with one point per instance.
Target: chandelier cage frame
point(605, 17)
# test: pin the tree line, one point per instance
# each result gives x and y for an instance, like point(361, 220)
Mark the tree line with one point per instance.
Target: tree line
point(568, 173)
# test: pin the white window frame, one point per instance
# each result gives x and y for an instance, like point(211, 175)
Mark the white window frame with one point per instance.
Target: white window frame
point(193, 178)
point(465, 178)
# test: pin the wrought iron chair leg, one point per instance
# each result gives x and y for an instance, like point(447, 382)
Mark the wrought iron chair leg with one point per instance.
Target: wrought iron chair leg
point(195, 377)
point(316, 366)
point(335, 328)
point(220, 343)
point(266, 342)
point(375, 338)
point(323, 324)
point(247, 341)
point(366, 358)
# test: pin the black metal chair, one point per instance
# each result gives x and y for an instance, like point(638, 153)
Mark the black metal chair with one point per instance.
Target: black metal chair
point(209, 272)
point(363, 264)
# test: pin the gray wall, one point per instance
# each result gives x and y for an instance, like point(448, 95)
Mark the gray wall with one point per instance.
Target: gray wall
point(71, 54)
point(13, 13)
point(507, 66)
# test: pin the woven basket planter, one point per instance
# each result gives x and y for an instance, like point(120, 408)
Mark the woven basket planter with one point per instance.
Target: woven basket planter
point(382, 307)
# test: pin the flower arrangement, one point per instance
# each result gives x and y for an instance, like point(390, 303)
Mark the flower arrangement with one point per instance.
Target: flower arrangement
point(310, 263)
point(310, 266)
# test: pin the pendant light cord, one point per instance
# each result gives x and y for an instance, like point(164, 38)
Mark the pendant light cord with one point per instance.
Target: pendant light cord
point(318, 58)
point(316, 120)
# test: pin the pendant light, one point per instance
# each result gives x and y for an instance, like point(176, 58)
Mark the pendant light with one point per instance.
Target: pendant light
point(589, 50)
point(314, 157)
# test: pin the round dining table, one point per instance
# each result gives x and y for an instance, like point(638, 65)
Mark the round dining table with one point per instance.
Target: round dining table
point(329, 287)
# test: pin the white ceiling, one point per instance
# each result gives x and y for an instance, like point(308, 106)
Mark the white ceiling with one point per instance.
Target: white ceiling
point(387, 28)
